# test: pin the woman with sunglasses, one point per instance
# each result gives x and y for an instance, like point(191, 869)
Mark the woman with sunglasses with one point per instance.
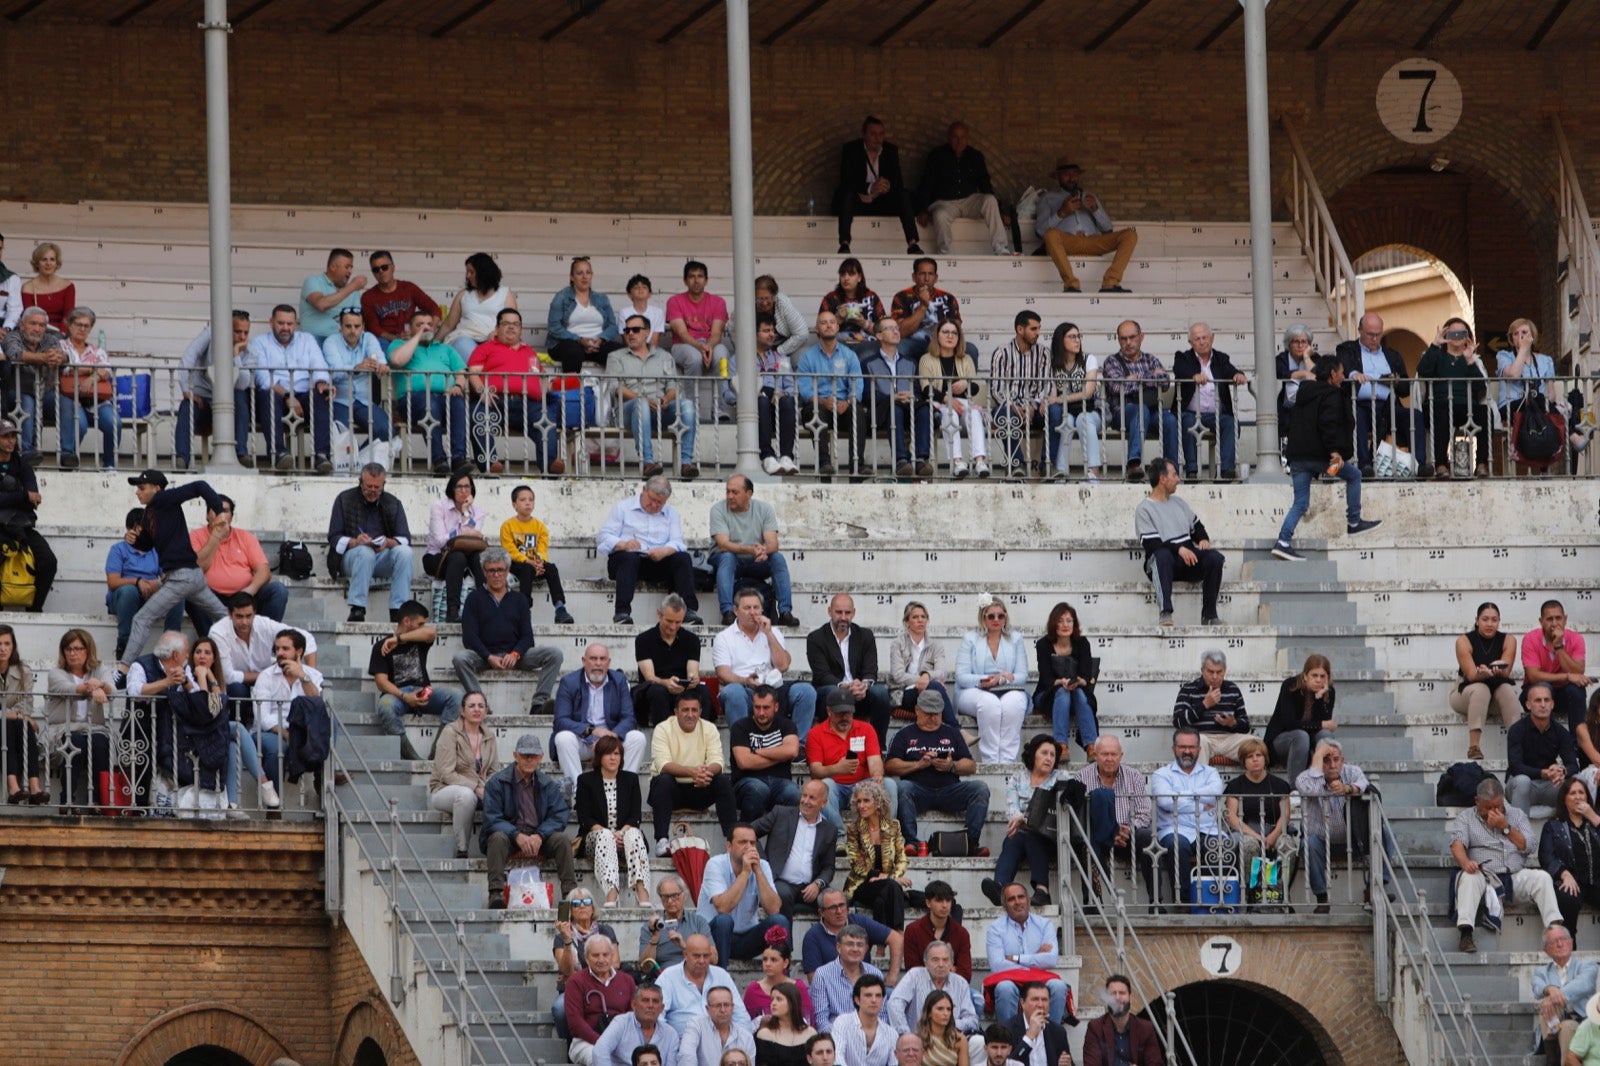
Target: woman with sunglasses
point(571, 935)
point(992, 679)
point(1457, 385)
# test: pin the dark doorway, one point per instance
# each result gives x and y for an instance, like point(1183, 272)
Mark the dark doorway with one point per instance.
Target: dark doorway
point(1232, 1024)
point(370, 1054)
point(207, 1055)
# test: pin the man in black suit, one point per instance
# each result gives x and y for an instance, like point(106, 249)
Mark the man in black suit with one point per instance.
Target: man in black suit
point(843, 654)
point(1375, 376)
point(1033, 1024)
point(800, 848)
point(1206, 379)
point(870, 183)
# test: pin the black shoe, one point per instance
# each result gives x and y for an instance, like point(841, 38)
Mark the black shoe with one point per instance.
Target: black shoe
point(563, 616)
point(1213, 620)
point(1114, 288)
point(1071, 288)
point(67, 462)
point(497, 903)
point(324, 465)
point(728, 618)
point(913, 248)
point(844, 247)
point(1368, 472)
point(1467, 945)
point(357, 614)
point(1135, 472)
point(1363, 525)
point(991, 890)
point(693, 619)
point(1228, 475)
point(787, 620)
point(622, 619)
point(441, 468)
point(1041, 897)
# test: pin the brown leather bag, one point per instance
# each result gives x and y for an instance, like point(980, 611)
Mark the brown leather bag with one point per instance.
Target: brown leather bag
point(86, 389)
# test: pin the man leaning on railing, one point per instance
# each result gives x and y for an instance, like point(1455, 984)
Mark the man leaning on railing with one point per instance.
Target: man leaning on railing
point(1335, 817)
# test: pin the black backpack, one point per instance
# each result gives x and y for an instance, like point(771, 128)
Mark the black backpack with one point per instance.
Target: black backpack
point(1537, 435)
point(1458, 786)
point(294, 560)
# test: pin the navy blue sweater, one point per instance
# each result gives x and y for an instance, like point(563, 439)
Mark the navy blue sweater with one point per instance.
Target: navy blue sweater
point(165, 529)
point(491, 628)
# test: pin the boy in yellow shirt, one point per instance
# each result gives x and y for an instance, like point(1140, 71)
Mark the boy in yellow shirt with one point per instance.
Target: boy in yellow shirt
point(528, 541)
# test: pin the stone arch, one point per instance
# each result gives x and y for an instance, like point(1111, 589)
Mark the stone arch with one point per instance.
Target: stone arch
point(218, 1024)
point(1220, 1016)
point(368, 1029)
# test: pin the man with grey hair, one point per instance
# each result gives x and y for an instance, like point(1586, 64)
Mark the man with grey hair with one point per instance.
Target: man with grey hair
point(668, 658)
point(1488, 842)
point(497, 632)
point(596, 993)
point(661, 939)
point(715, 1032)
point(642, 539)
point(1561, 989)
point(368, 537)
point(1335, 817)
point(1213, 706)
point(526, 813)
point(833, 983)
point(936, 974)
point(1206, 380)
point(195, 412)
point(33, 346)
point(593, 702)
point(1380, 379)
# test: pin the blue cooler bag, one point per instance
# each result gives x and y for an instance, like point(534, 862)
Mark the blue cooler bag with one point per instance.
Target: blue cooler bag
point(133, 395)
point(1214, 892)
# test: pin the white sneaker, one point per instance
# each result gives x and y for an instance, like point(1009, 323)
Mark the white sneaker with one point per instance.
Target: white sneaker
point(958, 469)
point(235, 813)
point(982, 466)
point(787, 465)
point(663, 848)
point(770, 465)
point(269, 796)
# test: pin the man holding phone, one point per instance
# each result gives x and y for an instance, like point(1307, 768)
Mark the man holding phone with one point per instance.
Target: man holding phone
point(1073, 222)
point(844, 752)
point(668, 656)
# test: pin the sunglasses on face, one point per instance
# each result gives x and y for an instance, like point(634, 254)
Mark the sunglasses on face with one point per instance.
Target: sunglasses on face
point(636, 329)
point(582, 901)
point(994, 617)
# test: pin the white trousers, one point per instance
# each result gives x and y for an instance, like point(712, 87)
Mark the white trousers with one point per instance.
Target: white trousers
point(950, 424)
point(999, 722)
point(602, 847)
point(1527, 886)
point(981, 205)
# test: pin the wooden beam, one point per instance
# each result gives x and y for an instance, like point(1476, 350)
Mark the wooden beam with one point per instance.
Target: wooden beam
point(1011, 23)
point(129, 14)
point(470, 13)
point(582, 12)
point(694, 16)
point(17, 13)
point(1547, 25)
point(1425, 42)
point(1222, 27)
point(1121, 21)
point(803, 14)
point(910, 16)
point(356, 16)
point(249, 12)
point(1333, 24)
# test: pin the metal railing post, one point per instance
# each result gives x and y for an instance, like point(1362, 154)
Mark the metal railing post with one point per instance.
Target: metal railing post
point(1377, 867)
point(397, 986)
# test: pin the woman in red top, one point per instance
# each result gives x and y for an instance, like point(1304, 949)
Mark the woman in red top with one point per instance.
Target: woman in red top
point(48, 289)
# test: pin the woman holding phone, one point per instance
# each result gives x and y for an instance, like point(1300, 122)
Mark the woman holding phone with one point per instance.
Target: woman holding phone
point(1484, 656)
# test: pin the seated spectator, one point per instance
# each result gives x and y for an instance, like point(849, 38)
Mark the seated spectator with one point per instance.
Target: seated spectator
point(609, 817)
point(744, 547)
point(355, 359)
point(1186, 792)
point(34, 344)
point(465, 757)
point(1303, 716)
point(245, 642)
point(368, 537)
point(1456, 386)
point(1257, 808)
point(628, 1042)
point(24, 755)
point(1213, 707)
point(1039, 770)
point(205, 676)
point(698, 321)
point(456, 541)
point(599, 992)
point(1555, 654)
point(234, 562)
point(324, 296)
point(1071, 405)
point(593, 703)
point(1540, 754)
point(801, 845)
point(1523, 374)
point(856, 306)
point(496, 632)
point(844, 753)
point(752, 653)
point(1491, 838)
point(78, 691)
point(949, 380)
point(132, 575)
point(775, 398)
point(736, 890)
point(821, 944)
point(661, 939)
point(870, 183)
point(1331, 816)
point(1561, 988)
point(1205, 380)
point(893, 404)
point(47, 289)
point(86, 395)
point(1073, 222)
point(844, 656)
point(581, 327)
point(646, 382)
point(292, 382)
point(955, 184)
point(714, 1038)
point(922, 308)
point(1176, 544)
point(512, 800)
point(476, 308)
point(876, 852)
point(1106, 1034)
point(930, 757)
point(1066, 679)
point(642, 538)
point(1381, 380)
point(828, 379)
point(571, 938)
point(915, 993)
point(398, 666)
point(277, 689)
point(686, 985)
point(195, 411)
point(527, 541)
point(1316, 442)
point(862, 1035)
point(1019, 381)
point(430, 386)
point(1484, 657)
point(943, 1043)
point(763, 745)
point(784, 1015)
point(1567, 844)
point(387, 306)
point(1025, 942)
point(1135, 380)
point(508, 384)
point(639, 292)
point(940, 925)
point(1118, 808)
point(668, 657)
point(992, 679)
point(686, 770)
point(792, 328)
point(1296, 364)
point(917, 664)
point(833, 981)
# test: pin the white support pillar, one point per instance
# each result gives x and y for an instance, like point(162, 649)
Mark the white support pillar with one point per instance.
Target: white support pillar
point(742, 195)
point(1260, 153)
point(220, 203)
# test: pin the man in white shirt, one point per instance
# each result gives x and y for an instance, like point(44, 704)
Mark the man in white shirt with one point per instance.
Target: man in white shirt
point(642, 539)
point(643, 1027)
point(244, 642)
point(864, 1037)
point(715, 1032)
point(278, 686)
point(937, 974)
point(289, 368)
point(1185, 792)
point(803, 844)
point(751, 653)
point(684, 987)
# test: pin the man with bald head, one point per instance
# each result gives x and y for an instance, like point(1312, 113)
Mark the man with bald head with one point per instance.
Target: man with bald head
point(1376, 376)
point(593, 702)
point(1119, 808)
point(597, 992)
point(685, 986)
point(844, 655)
point(955, 184)
point(1206, 381)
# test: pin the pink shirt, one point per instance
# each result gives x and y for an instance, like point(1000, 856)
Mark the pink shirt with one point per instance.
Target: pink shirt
point(233, 566)
point(1536, 655)
point(698, 317)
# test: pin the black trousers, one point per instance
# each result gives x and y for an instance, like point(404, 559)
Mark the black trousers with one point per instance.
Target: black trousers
point(628, 568)
point(551, 577)
point(652, 703)
point(667, 793)
point(1570, 905)
point(571, 355)
point(894, 203)
point(44, 567)
point(453, 567)
point(886, 898)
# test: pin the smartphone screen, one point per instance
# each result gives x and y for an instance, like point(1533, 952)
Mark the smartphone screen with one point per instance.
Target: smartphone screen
point(564, 911)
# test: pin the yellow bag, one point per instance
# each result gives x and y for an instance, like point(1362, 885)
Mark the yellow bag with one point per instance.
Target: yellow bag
point(17, 577)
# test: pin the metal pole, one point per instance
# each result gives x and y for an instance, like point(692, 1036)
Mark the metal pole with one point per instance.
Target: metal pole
point(1255, 93)
point(742, 183)
point(220, 200)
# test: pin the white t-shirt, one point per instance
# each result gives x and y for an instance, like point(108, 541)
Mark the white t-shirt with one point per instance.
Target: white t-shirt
point(746, 656)
point(656, 315)
point(586, 322)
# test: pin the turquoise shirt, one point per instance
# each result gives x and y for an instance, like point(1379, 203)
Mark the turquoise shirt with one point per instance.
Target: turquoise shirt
point(432, 368)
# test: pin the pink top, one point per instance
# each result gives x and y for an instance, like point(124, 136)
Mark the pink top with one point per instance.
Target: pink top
point(698, 317)
point(55, 304)
point(758, 1002)
point(1536, 655)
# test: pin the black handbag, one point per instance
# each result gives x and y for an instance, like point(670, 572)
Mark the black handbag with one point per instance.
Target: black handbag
point(1045, 802)
point(949, 844)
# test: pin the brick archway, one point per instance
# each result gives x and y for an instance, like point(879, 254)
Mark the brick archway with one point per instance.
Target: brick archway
point(203, 1023)
point(368, 1021)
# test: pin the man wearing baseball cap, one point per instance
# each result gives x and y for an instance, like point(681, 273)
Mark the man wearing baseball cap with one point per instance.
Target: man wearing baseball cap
point(844, 752)
point(1073, 222)
point(167, 532)
point(930, 758)
point(525, 812)
point(19, 512)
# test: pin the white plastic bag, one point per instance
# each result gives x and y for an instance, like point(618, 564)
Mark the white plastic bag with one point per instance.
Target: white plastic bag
point(196, 802)
point(374, 451)
point(526, 889)
point(344, 449)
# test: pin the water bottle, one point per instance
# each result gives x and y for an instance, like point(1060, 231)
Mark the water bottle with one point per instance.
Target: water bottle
point(811, 205)
point(101, 340)
point(722, 367)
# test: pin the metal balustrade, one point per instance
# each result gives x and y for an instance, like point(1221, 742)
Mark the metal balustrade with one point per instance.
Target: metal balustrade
point(1337, 279)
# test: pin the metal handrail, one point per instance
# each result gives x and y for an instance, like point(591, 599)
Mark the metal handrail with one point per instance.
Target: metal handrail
point(1319, 238)
point(1581, 246)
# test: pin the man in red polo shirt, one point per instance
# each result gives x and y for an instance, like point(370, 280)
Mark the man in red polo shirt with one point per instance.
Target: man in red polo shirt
point(505, 377)
point(844, 752)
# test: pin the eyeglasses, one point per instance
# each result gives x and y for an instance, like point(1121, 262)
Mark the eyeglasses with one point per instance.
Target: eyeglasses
point(636, 329)
point(1073, 336)
point(496, 569)
point(994, 616)
point(833, 906)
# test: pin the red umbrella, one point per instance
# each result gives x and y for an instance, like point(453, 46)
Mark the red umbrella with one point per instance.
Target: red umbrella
point(689, 858)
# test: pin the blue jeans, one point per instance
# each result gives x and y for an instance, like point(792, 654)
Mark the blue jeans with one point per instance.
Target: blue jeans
point(445, 702)
point(797, 699)
point(1068, 707)
point(908, 701)
point(1058, 421)
point(241, 751)
point(1304, 471)
point(196, 417)
point(1135, 416)
point(513, 413)
point(362, 418)
point(1317, 847)
point(731, 569)
point(30, 419)
point(970, 798)
point(643, 423)
point(745, 944)
point(448, 412)
point(318, 410)
point(74, 420)
point(125, 603)
point(758, 795)
point(839, 798)
point(1227, 440)
point(362, 564)
point(1006, 998)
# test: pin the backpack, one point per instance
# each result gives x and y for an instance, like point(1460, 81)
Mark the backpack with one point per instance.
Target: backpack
point(294, 560)
point(1535, 434)
point(17, 577)
point(1458, 786)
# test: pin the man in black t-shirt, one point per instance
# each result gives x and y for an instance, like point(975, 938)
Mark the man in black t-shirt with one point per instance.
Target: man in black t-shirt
point(399, 666)
point(669, 662)
point(930, 758)
point(764, 746)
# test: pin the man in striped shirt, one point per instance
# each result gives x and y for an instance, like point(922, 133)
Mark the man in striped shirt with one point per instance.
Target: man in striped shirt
point(1213, 706)
point(1119, 809)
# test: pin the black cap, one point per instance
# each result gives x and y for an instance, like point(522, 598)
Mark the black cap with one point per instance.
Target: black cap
point(149, 477)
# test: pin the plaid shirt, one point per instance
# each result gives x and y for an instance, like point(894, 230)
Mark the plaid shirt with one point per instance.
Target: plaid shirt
point(1118, 372)
point(1016, 376)
point(1133, 800)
